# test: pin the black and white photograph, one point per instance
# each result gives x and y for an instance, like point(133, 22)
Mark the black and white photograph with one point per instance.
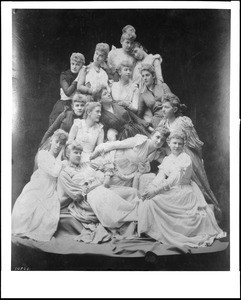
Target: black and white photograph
point(120, 158)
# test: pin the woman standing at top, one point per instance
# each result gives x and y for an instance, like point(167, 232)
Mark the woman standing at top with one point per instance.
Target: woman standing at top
point(150, 105)
point(88, 132)
point(117, 55)
point(124, 92)
point(91, 79)
point(68, 85)
point(141, 56)
point(174, 120)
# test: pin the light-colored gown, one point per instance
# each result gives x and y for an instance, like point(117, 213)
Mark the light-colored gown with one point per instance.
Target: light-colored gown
point(36, 211)
point(118, 55)
point(130, 157)
point(95, 78)
point(88, 137)
point(193, 148)
point(179, 215)
point(127, 93)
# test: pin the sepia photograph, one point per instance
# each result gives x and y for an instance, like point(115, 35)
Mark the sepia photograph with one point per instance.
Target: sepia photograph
point(120, 139)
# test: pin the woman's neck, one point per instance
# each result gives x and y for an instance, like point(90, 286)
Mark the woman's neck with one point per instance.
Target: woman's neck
point(171, 120)
point(124, 81)
point(89, 122)
point(96, 65)
point(107, 106)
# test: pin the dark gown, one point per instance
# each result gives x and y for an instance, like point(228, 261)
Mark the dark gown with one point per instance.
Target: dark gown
point(124, 121)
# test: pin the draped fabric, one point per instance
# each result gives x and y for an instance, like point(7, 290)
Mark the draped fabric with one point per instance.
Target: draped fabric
point(37, 209)
point(193, 148)
point(179, 214)
point(124, 121)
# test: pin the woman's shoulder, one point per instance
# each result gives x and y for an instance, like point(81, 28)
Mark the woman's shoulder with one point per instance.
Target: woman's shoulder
point(184, 120)
point(79, 122)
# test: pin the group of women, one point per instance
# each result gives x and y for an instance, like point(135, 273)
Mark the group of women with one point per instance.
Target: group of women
point(116, 117)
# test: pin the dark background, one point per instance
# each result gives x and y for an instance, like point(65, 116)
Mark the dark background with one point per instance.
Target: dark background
point(195, 48)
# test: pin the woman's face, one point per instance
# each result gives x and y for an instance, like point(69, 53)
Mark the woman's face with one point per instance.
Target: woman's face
point(126, 45)
point(148, 78)
point(56, 145)
point(75, 66)
point(99, 57)
point(157, 140)
point(168, 110)
point(125, 73)
point(74, 156)
point(176, 145)
point(78, 108)
point(95, 114)
point(106, 97)
point(138, 53)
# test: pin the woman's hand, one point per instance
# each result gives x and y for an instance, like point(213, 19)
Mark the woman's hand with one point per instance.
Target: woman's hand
point(149, 193)
point(122, 103)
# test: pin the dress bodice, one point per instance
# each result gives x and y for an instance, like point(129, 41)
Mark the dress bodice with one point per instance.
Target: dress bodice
point(95, 78)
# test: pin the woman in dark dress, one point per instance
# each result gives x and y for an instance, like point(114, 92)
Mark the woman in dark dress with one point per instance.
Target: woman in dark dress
point(68, 86)
point(124, 121)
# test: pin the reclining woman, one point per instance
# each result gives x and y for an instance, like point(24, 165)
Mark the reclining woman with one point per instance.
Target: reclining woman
point(114, 116)
point(131, 157)
point(36, 211)
point(174, 210)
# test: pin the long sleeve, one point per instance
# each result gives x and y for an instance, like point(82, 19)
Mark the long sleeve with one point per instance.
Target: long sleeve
point(68, 188)
point(56, 125)
point(67, 88)
point(81, 82)
point(48, 163)
point(135, 100)
point(158, 70)
point(100, 139)
point(141, 107)
point(125, 144)
point(73, 132)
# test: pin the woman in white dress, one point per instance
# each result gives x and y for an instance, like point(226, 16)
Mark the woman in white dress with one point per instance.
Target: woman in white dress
point(93, 77)
point(124, 92)
point(174, 210)
point(117, 55)
point(36, 211)
point(88, 132)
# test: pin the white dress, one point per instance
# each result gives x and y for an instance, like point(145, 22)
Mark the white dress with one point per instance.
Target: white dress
point(116, 56)
point(127, 93)
point(36, 211)
point(94, 78)
point(88, 137)
point(179, 215)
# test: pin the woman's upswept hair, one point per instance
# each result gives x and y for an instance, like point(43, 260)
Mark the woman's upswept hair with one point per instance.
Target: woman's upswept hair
point(178, 134)
point(163, 130)
point(104, 48)
point(61, 135)
point(175, 102)
point(77, 57)
point(72, 146)
point(89, 107)
point(128, 36)
point(138, 45)
point(149, 68)
point(128, 29)
point(124, 63)
point(78, 97)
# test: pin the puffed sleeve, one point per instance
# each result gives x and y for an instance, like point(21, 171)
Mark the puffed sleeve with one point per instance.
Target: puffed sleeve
point(135, 99)
point(48, 163)
point(74, 130)
point(110, 59)
point(157, 65)
point(193, 141)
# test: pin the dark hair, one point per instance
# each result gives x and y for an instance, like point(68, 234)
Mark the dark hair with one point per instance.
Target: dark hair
point(163, 130)
point(175, 102)
point(138, 45)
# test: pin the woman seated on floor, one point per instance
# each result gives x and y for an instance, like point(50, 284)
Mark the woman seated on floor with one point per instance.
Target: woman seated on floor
point(174, 210)
point(82, 194)
point(36, 211)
